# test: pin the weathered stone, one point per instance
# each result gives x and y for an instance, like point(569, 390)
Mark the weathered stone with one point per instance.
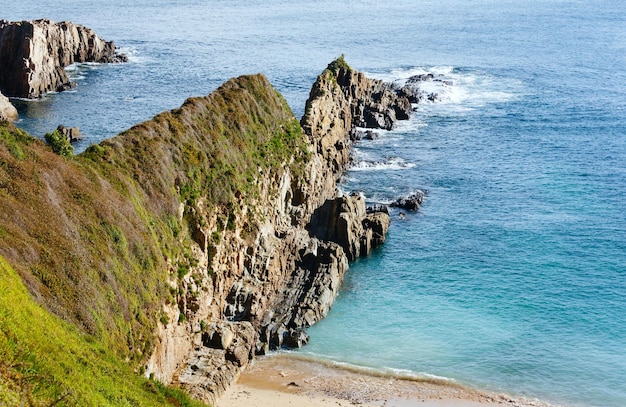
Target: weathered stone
point(209, 370)
point(279, 278)
point(342, 220)
point(412, 202)
point(33, 55)
point(296, 338)
point(72, 134)
point(8, 112)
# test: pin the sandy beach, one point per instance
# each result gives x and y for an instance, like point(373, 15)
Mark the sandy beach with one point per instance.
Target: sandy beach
point(285, 380)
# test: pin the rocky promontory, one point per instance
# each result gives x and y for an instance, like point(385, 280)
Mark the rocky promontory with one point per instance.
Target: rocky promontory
point(33, 55)
point(204, 236)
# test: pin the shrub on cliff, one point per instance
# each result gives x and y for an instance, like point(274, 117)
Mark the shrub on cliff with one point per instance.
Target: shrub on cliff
point(59, 143)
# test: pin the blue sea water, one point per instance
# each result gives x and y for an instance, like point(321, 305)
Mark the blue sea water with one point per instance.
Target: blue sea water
point(512, 276)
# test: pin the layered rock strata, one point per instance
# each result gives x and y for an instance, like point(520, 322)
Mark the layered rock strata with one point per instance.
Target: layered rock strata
point(292, 273)
point(220, 220)
point(8, 112)
point(33, 55)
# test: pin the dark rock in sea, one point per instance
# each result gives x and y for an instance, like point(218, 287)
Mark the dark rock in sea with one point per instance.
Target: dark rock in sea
point(33, 55)
point(411, 203)
point(296, 338)
point(72, 134)
point(412, 91)
point(421, 78)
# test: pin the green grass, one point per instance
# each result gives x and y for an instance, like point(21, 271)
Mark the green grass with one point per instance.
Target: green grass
point(92, 237)
point(45, 361)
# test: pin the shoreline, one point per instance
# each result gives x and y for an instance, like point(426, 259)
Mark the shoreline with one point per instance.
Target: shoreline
point(286, 380)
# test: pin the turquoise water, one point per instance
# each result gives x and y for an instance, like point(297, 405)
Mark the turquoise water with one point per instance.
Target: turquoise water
point(512, 276)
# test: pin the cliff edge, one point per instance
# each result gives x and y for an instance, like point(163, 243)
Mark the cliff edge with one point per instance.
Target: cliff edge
point(33, 55)
point(197, 239)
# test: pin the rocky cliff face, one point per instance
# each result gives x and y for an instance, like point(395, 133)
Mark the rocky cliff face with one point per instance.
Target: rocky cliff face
point(33, 55)
point(8, 112)
point(220, 220)
point(288, 278)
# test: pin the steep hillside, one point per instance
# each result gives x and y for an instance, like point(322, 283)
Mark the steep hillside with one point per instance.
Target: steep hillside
point(192, 241)
point(45, 361)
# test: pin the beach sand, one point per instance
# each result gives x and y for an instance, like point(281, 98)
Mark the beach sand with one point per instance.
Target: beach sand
point(284, 380)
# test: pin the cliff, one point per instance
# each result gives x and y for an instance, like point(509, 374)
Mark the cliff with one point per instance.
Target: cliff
point(197, 239)
point(33, 55)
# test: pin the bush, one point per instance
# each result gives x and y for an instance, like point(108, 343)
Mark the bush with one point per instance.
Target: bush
point(59, 143)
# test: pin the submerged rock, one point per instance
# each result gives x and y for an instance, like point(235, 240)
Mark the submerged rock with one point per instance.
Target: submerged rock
point(411, 203)
point(33, 55)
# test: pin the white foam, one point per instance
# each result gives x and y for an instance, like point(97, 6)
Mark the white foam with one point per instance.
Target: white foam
point(394, 163)
point(455, 89)
point(132, 53)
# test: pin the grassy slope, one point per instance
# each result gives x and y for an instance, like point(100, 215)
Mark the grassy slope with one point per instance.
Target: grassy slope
point(91, 236)
point(44, 360)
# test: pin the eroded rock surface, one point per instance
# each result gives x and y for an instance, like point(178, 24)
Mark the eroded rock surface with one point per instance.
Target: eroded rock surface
point(8, 112)
point(287, 277)
point(33, 55)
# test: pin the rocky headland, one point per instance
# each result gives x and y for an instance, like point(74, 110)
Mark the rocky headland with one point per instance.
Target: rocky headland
point(204, 236)
point(33, 55)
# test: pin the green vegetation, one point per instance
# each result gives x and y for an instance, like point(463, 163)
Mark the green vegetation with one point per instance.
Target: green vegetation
point(338, 64)
point(59, 143)
point(45, 361)
point(92, 238)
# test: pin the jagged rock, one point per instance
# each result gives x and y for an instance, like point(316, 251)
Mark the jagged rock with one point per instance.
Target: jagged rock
point(345, 221)
point(72, 134)
point(377, 208)
point(296, 338)
point(210, 369)
point(356, 135)
point(374, 103)
point(280, 279)
point(421, 78)
point(8, 112)
point(412, 202)
point(33, 55)
point(412, 91)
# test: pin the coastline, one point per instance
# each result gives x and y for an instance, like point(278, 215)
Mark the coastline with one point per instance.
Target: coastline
point(287, 380)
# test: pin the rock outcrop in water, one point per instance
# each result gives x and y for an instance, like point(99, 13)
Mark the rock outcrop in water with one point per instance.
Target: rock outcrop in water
point(8, 112)
point(33, 55)
point(204, 236)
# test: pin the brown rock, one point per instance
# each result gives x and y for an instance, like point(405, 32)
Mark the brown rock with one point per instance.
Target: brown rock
point(8, 112)
point(72, 134)
point(344, 221)
point(33, 55)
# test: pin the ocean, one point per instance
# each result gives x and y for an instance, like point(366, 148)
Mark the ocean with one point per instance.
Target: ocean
point(512, 276)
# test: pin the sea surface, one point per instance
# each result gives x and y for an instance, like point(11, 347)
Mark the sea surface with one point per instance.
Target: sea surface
point(512, 276)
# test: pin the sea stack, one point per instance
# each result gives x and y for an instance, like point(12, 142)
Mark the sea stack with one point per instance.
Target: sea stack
point(33, 55)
